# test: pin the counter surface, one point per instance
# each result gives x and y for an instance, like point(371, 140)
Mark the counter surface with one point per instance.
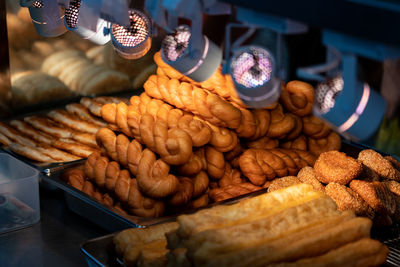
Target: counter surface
point(54, 241)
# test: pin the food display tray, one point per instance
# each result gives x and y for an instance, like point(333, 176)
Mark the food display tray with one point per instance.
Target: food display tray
point(110, 218)
point(100, 251)
point(113, 220)
point(49, 168)
point(45, 168)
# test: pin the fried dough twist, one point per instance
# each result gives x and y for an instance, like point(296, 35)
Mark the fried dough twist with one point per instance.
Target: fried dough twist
point(261, 164)
point(330, 142)
point(205, 158)
point(198, 130)
point(172, 144)
point(200, 102)
point(155, 181)
point(232, 190)
point(281, 123)
point(218, 83)
point(77, 179)
point(298, 98)
point(315, 127)
point(108, 174)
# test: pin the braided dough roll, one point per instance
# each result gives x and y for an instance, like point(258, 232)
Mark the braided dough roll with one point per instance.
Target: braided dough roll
point(232, 190)
point(281, 123)
point(109, 175)
point(299, 143)
point(298, 98)
point(185, 96)
point(261, 164)
point(330, 142)
point(120, 148)
point(201, 131)
point(315, 127)
point(218, 83)
point(78, 180)
point(175, 118)
point(263, 143)
point(184, 193)
point(231, 177)
point(154, 178)
point(172, 144)
point(195, 164)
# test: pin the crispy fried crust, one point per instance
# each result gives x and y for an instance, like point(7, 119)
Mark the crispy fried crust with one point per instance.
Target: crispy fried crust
point(336, 167)
point(307, 175)
point(395, 163)
point(379, 164)
point(283, 182)
point(347, 199)
point(362, 253)
point(368, 174)
point(377, 195)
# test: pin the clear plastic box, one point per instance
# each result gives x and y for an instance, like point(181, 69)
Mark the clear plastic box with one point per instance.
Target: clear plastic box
point(19, 194)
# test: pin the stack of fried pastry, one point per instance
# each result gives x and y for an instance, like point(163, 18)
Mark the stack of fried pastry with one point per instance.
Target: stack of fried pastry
point(181, 143)
point(368, 185)
point(60, 135)
point(295, 226)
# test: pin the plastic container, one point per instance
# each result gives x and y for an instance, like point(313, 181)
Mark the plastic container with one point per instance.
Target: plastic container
point(19, 194)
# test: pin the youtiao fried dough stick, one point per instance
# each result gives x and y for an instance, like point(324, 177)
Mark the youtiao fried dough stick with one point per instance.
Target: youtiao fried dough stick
point(309, 242)
point(364, 252)
point(259, 206)
point(269, 228)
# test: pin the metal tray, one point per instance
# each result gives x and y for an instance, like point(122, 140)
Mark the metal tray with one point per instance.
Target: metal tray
point(48, 168)
point(100, 252)
point(110, 218)
point(87, 207)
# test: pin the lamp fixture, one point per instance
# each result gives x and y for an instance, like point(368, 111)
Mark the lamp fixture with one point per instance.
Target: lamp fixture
point(133, 41)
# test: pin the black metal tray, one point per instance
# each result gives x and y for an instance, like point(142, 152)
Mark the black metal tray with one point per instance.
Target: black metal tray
point(109, 218)
point(87, 207)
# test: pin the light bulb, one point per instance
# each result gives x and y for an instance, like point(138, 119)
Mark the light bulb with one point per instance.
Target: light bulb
point(253, 72)
point(133, 41)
